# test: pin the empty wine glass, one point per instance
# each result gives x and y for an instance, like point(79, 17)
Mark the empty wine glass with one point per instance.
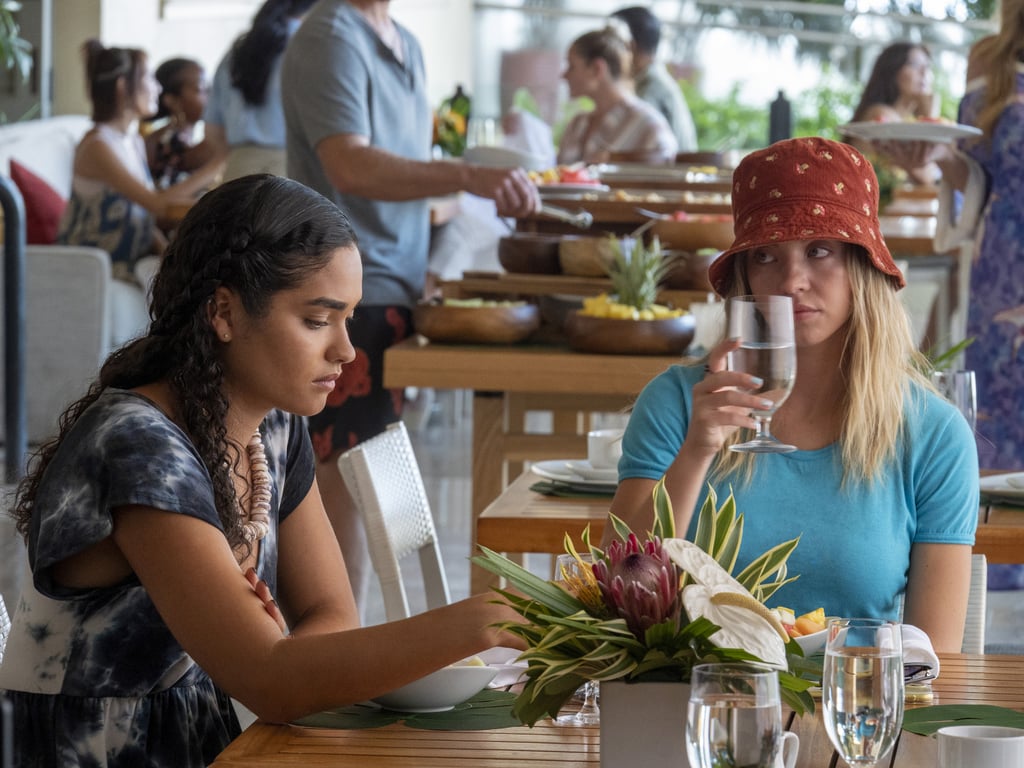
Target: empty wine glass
point(764, 326)
point(734, 718)
point(862, 688)
point(568, 568)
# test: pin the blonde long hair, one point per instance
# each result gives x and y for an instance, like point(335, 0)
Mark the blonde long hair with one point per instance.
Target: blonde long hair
point(880, 361)
point(1004, 52)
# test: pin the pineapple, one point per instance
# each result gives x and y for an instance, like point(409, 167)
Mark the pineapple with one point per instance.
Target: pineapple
point(635, 278)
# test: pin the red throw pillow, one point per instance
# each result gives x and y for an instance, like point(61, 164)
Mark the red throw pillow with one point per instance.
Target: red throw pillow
point(43, 205)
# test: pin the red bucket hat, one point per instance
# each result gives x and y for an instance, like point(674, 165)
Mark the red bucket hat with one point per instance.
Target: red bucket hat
point(804, 189)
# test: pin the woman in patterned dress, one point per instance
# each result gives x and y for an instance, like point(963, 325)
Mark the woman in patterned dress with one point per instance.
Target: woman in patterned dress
point(990, 171)
point(178, 508)
point(114, 204)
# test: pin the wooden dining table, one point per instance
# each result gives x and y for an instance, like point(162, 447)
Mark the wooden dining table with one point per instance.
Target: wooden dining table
point(964, 679)
point(509, 381)
point(521, 520)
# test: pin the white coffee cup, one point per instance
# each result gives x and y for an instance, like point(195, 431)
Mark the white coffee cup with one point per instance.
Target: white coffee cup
point(980, 746)
point(604, 448)
point(789, 746)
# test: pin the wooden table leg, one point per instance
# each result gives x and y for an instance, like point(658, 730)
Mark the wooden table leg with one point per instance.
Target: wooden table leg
point(488, 481)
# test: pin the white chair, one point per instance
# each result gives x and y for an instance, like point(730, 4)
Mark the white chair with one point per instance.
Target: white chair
point(384, 479)
point(974, 626)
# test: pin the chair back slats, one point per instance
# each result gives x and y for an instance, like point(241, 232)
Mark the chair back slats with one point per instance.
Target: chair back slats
point(385, 482)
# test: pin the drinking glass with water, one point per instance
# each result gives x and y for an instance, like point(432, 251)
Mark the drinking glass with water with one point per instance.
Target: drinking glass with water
point(764, 326)
point(734, 718)
point(862, 688)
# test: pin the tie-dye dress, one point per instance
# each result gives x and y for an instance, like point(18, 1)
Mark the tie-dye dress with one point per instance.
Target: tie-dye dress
point(95, 676)
point(996, 313)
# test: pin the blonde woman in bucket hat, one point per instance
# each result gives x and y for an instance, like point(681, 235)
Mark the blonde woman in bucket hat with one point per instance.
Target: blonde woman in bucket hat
point(883, 487)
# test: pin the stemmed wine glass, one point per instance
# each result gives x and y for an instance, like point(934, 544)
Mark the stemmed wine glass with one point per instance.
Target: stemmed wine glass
point(764, 326)
point(567, 567)
point(862, 688)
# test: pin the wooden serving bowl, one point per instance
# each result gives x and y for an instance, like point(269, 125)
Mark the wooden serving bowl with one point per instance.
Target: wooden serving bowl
point(530, 253)
point(694, 234)
point(476, 325)
point(586, 255)
point(690, 271)
point(609, 335)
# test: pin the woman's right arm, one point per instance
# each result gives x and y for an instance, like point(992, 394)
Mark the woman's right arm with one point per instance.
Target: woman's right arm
point(720, 407)
point(190, 573)
point(95, 160)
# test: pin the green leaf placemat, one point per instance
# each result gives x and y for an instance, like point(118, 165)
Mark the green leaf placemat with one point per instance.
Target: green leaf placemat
point(568, 490)
point(927, 720)
point(488, 709)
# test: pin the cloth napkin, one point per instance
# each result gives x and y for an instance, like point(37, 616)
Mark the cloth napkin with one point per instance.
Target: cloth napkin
point(919, 659)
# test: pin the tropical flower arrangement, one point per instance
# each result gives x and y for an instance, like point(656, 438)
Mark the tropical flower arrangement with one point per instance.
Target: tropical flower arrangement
point(650, 611)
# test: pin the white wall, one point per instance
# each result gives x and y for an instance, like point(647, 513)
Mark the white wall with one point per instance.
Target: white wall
point(203, 30)
point(445, 31)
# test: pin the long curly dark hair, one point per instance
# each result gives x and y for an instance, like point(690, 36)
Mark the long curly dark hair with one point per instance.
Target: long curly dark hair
point(256, 235)
point(253, 55)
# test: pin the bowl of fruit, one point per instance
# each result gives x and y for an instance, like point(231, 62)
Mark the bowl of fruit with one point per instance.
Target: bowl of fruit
point(441, 690)
point(631, 322)
point(809, 629)
point(476, 321)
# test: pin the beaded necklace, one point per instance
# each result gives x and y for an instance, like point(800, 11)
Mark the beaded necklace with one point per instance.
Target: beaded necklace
point(256, 522)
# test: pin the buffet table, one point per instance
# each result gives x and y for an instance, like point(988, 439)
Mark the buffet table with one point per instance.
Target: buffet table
point(965, 679)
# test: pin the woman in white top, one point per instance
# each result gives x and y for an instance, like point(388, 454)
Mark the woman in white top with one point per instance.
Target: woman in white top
point(621, 126)
point(114, 205)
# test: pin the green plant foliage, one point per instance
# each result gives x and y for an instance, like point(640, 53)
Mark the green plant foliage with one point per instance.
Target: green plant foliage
point(726, 123)
point(15, 52)
point(570, 639)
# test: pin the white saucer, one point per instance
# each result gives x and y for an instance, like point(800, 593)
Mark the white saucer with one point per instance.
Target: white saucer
point(1009, 486)
point(587, 471)
point(559, 470)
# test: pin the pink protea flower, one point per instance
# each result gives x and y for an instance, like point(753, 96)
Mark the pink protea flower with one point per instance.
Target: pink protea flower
point(640, 585)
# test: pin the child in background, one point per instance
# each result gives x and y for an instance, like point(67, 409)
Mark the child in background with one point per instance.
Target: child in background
point(172, 146)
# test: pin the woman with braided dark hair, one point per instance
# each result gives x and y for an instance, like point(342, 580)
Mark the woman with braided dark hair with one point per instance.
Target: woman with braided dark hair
point(179, 503)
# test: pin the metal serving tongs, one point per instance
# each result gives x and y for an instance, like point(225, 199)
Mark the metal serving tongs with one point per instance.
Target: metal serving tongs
point(581, 219)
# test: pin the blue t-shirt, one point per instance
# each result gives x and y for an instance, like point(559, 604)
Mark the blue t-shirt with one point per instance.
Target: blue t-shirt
point(245, 123)
point(339, 78)
point(854, 550)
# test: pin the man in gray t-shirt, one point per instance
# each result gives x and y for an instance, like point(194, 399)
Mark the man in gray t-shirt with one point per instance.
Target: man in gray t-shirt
point(359, 132)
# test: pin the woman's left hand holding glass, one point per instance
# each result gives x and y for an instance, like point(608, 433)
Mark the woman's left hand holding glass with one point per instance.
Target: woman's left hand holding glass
point(721, 404)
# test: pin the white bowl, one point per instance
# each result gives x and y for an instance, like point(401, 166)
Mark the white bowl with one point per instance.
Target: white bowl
point(439, 691)
point(814, 642)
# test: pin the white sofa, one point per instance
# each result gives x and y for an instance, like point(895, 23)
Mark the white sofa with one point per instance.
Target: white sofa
point(75, 312)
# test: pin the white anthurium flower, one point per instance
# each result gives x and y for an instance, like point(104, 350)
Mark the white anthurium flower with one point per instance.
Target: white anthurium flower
point(744, 622)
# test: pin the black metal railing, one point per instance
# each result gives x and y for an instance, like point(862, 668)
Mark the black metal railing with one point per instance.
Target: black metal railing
point(15, 418)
